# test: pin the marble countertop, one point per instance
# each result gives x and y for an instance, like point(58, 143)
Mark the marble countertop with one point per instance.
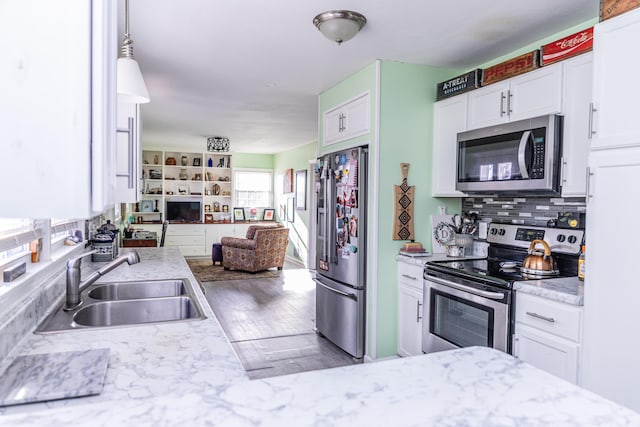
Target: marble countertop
point(422, 260)
point(569, 290)
point(187, 373)
point(475, 386)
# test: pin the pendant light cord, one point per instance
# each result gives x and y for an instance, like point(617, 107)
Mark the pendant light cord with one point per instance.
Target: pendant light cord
point(126, 50)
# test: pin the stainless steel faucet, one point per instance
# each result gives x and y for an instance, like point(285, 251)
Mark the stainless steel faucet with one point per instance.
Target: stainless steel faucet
point(75, 286)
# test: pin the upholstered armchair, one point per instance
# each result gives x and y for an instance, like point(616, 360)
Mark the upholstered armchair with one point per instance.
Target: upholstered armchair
point(264, 247)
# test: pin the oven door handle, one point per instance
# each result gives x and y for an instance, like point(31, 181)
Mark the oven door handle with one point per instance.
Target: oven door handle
point(471, 290)
point(522, 148)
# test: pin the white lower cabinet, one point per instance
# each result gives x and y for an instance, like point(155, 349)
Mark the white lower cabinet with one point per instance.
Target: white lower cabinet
point(547, 335)
point(409, 309)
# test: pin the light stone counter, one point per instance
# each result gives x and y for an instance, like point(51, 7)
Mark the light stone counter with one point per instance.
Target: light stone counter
point(569, 290)
point(475, 386)
point(187, 374)
point(421, 261)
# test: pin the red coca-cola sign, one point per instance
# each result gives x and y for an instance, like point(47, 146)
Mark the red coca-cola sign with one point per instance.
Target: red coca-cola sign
point(569, 46)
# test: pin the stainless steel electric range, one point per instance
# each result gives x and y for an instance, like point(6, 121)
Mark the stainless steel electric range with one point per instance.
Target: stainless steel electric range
point(470, 302)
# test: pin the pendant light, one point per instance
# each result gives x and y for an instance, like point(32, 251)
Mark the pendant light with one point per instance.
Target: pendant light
point(339, 25)
point(131, 87)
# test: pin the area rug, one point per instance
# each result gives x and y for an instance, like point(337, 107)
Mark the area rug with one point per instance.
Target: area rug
point(205, 271)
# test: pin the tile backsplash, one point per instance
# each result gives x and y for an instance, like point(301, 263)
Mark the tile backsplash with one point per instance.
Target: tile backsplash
point(522, 210)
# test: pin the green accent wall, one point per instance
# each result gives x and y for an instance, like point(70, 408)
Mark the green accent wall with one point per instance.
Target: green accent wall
point(407, 93)
point(248, 160)
point(298, 160)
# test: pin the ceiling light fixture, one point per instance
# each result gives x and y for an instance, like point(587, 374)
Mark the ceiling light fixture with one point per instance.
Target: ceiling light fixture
point(131, 87)
point(339, 25)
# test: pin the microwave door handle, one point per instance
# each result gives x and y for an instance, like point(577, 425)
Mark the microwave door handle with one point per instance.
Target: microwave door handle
point(521, 153)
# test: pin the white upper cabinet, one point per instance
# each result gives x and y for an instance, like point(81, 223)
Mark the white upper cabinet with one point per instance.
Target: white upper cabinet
point(576, 90)
point(58, 107)
point(529, 95)
point(613, 84)
point(449, 118)
point(128, 154)
point(347, 120)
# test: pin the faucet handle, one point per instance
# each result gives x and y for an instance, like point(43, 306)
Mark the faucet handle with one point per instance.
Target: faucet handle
point(75, 262)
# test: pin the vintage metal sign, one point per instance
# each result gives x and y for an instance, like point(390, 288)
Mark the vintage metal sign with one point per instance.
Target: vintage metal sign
point(460, 84)
point(512, 67)
point(572, 45)
point(611, 8)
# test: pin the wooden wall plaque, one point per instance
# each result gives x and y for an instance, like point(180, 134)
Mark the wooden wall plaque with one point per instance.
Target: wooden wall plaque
point(510, 68)
point(611, 8)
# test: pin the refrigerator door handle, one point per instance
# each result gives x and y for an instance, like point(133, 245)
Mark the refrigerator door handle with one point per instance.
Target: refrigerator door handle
point(352, 296)
point(331, 211)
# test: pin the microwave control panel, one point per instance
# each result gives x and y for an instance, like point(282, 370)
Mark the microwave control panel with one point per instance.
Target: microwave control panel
point(537, 165)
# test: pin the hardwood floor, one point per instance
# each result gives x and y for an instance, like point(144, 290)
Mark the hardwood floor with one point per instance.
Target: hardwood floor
point(270, 323)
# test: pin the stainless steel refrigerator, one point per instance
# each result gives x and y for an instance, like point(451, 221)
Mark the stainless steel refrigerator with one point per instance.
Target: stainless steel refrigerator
point(341, 187)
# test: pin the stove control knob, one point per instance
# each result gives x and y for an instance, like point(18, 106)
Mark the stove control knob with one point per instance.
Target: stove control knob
point(494, 231)
point(572, 239)
point(502, 232)
point(561, 238)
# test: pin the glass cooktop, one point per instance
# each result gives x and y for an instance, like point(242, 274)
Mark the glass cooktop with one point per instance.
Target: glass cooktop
point(503, 270)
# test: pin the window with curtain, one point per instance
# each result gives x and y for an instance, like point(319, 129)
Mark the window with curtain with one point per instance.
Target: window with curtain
point(253, 188)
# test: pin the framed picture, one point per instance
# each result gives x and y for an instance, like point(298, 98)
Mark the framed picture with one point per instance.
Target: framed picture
point(268, 214)
point(238, 214)
point(301, 190)
point(196, 161)
point(287, 181)
point(208, 218)
point(290, 210)
point(146, 206)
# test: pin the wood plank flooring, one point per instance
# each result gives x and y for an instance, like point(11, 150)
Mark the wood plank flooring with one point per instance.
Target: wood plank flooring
point(270, 323)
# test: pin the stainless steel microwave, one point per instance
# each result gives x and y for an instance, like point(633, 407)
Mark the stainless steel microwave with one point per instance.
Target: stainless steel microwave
point(511, 158)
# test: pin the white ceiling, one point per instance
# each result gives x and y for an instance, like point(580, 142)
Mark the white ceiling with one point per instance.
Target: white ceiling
point(251, 70)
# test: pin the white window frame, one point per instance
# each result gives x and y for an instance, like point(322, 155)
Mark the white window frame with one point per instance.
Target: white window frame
point(236, 190)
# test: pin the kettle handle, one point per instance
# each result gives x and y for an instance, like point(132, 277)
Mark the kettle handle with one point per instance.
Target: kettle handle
point(547, 249)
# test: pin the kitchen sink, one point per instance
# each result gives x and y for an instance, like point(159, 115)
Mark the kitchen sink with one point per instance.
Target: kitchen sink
point(137, 290)
point(118, 304)
point(136, 311)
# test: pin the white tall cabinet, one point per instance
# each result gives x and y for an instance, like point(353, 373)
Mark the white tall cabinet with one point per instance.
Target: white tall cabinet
point(611, 347)
point(58, 94)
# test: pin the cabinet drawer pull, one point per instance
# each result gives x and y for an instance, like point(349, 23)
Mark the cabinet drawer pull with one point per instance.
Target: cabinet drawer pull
point(418, 317)
point(409, 277)
point(502, 98)
point(509, 96)
point(538, 316)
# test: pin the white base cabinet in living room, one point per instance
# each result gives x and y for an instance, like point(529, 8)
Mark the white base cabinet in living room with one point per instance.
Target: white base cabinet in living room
point(547, 335)
point(409, 309)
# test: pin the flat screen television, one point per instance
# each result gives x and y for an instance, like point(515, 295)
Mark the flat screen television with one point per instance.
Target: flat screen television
point(184, 211)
